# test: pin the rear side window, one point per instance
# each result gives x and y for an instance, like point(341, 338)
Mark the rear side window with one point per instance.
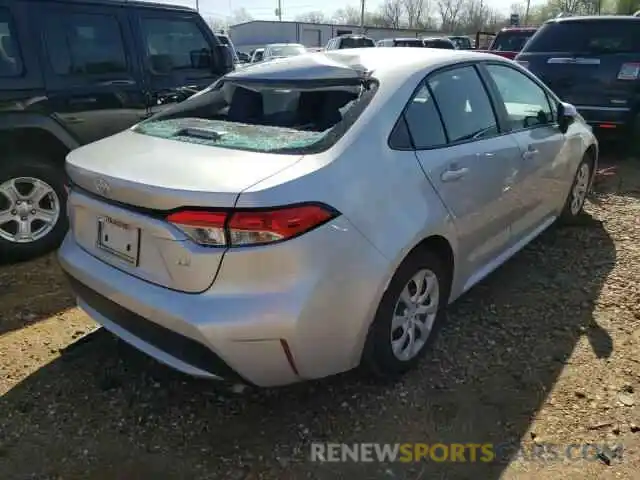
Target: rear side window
point(594, 36)
point(424, 122)
point(85, 44)
point(263, 118)
point(10, 60)
point(174, 44)
point(464, 104)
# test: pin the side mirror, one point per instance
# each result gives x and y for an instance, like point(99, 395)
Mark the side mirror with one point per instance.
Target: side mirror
point(225, 57)
point(566, 114)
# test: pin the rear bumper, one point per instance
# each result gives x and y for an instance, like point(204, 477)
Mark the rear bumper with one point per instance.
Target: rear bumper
point(614, 119)
point(251, 325)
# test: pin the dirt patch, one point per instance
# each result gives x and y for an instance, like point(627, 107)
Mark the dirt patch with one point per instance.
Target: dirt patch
point(543, 353)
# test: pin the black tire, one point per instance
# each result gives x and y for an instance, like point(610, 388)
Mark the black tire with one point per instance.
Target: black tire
point(30, 165)
point(569, 215)
point(378, 358)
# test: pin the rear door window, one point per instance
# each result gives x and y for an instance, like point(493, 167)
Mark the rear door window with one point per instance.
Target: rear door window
point(594, 36)
point(464, 104)
point(10, 60)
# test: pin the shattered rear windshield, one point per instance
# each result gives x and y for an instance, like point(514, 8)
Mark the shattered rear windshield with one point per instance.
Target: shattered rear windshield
point(262, 117)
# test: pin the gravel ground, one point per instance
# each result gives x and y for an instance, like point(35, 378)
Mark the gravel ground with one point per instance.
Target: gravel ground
point(544, 351)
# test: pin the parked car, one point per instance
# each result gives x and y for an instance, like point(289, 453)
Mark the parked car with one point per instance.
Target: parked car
point(226, 40)
point(508, 41)
point(462, 42)
point(400, 42)
point(283, 50)
point(243, 57)
point(350, 41)
point(439, 42)
point(257, 55)
point(593, 63)
point(324, 217)
point(72, 73)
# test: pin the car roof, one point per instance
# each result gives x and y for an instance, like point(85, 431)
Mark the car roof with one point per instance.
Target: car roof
point(595, 18)
point(353, 63)
point(131, 3)
point(519, 29)
point(283, 44)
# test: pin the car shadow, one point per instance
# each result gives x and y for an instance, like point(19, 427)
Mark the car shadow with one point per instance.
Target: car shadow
point(103, 410)
point(32, 291)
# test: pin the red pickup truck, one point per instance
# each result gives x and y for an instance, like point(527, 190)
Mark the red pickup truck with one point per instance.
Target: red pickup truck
point(508, 41)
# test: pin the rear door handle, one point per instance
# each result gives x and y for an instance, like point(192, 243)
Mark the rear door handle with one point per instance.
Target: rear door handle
point(454, 174)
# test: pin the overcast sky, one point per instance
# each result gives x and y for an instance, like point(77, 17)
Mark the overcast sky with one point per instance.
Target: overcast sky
point(265, 9)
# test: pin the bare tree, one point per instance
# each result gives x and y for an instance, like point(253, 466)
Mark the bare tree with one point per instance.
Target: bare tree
point(216, 24)
point(414, 10)
point(449, 11)
point(312, 17)
point(347, 16)
point(392, 11)
point(474, 15)
point(240, 16)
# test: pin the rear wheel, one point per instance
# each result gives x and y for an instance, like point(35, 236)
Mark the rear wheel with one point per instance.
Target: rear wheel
point(408, 316)
point(32, 208)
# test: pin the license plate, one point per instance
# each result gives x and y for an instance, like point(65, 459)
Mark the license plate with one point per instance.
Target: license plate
point(119, 239)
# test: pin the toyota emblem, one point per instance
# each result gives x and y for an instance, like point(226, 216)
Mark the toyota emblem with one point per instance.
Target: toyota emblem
point(102, 187)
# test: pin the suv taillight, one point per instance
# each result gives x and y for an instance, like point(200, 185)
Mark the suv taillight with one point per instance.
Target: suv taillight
point(250, 227)
point(629, 71)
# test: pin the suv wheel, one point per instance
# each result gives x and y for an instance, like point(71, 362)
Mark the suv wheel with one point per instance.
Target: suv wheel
point(408, 316)
point(32, 208)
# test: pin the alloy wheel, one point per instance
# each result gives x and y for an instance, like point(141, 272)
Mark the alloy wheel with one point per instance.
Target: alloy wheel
point(29, 209)
point(414, 314)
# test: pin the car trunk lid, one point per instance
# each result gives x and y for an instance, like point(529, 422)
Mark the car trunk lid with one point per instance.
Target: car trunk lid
point(124, 185)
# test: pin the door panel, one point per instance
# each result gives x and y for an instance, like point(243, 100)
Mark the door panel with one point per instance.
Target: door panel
point(172, 44)
point(468, 162)
point(538, 174)
point(92, 76)
point(473, 181)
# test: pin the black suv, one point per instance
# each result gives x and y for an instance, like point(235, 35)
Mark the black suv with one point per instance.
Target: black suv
point(593, 63)
point(75, 71)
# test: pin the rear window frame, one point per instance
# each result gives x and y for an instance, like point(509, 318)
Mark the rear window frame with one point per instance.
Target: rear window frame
point(331, 136)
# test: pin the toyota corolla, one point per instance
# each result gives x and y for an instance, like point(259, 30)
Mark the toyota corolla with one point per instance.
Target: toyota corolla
point(312, 214)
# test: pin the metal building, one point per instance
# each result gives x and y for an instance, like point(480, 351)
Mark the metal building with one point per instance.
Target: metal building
point(257, 33)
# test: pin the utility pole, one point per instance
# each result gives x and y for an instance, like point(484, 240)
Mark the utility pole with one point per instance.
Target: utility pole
point(526, 13)
point(279, 10)
point(198, 6)
point(362, 15)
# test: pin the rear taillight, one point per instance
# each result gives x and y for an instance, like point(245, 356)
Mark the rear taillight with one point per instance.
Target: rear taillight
point(629, 71)
point(250, 227)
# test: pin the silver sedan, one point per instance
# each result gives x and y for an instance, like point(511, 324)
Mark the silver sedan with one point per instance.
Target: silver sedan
point(311, 214)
